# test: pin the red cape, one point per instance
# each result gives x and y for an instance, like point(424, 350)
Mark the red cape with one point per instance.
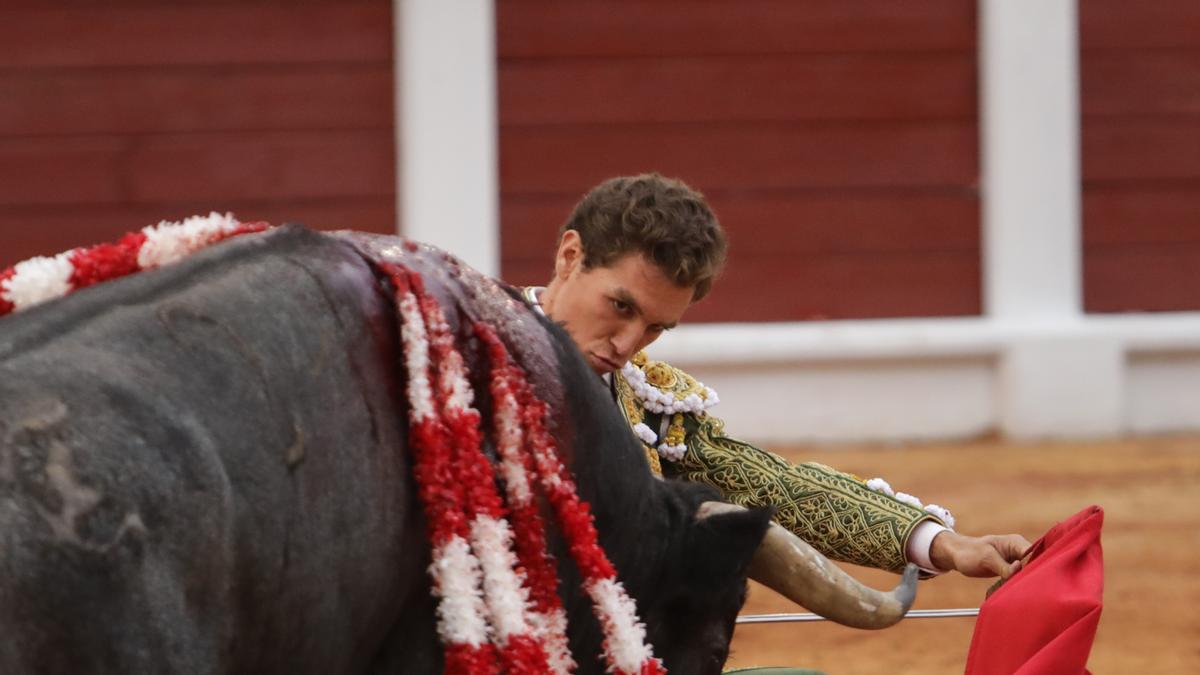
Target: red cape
point(1043, 619)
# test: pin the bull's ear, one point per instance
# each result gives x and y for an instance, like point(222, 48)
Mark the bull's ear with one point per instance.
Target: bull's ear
point(721, 545)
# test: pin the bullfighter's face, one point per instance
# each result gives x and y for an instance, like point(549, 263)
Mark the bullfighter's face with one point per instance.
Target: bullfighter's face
point(615, 311)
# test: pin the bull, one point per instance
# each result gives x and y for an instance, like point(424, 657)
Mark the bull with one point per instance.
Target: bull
point(203, 470)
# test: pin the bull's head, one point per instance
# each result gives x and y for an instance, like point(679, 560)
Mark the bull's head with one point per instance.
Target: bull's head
point(692, 623)
point(691, 620)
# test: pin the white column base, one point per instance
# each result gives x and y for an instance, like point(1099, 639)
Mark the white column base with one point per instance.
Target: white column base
point(1061, 386)
point(1163, 392)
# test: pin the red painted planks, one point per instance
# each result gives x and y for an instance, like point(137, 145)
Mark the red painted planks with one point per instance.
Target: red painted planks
point(1121, 24)
point(195, 35)
point(198, 167)
point(1129, 82)
point(262, 166)
point(1147, 278)
point(830, 224)
point(1141, 154)
point(77, 169)
point(797, 287)
point(1153, 149)
point(741, 156)
point(1121, 216)
point(162, 100)
point(771, 88)
point(549, 28)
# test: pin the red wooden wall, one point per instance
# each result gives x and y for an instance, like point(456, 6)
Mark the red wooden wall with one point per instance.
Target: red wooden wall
point(1140, 70)
point(836, 140)
point(117, 115)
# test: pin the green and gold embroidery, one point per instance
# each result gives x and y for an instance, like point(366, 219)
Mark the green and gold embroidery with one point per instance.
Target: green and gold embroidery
point(836, 512)
point(831, 510)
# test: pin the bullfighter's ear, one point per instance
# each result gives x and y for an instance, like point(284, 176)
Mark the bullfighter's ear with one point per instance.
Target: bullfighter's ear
point(721, 545)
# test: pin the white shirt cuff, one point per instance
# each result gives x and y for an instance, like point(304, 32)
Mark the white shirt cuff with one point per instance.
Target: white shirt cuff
point(919, 543)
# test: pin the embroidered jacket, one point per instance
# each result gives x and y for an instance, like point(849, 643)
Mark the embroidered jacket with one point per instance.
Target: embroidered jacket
point(844, 517)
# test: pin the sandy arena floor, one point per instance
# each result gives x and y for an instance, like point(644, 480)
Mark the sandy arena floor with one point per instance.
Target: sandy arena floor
point(1149, 489)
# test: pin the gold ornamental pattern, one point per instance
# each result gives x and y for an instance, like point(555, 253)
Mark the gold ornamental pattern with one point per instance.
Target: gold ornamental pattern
point(667, 378)
point(834, 511)
point(634, 414)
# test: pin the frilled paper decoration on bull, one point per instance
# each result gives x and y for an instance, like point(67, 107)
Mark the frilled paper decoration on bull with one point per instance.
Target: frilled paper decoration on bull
point(1043, 620)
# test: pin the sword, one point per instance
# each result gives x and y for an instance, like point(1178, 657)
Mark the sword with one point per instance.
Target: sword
point(912, 614)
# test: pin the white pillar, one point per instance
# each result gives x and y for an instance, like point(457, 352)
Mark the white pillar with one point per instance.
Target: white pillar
point(1053, 380)
point(1029, 78)
point(446, 141)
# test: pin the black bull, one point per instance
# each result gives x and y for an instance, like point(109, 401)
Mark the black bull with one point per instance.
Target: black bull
point(203, 470)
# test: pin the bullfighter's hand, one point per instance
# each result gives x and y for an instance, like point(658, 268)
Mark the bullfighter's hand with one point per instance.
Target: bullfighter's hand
point(987, 556)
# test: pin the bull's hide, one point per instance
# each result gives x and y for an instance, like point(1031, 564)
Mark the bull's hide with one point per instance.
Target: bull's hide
point(203, 470)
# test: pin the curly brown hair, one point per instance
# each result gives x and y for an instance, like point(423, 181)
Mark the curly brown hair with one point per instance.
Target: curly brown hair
point(661, 218)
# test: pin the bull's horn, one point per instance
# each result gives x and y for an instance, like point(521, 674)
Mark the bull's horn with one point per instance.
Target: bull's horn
point(789, 566)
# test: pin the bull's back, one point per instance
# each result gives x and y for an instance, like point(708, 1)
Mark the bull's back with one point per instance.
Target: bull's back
point(200, 469)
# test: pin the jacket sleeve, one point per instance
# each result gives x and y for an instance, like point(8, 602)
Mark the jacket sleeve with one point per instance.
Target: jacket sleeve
point(835, 512)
